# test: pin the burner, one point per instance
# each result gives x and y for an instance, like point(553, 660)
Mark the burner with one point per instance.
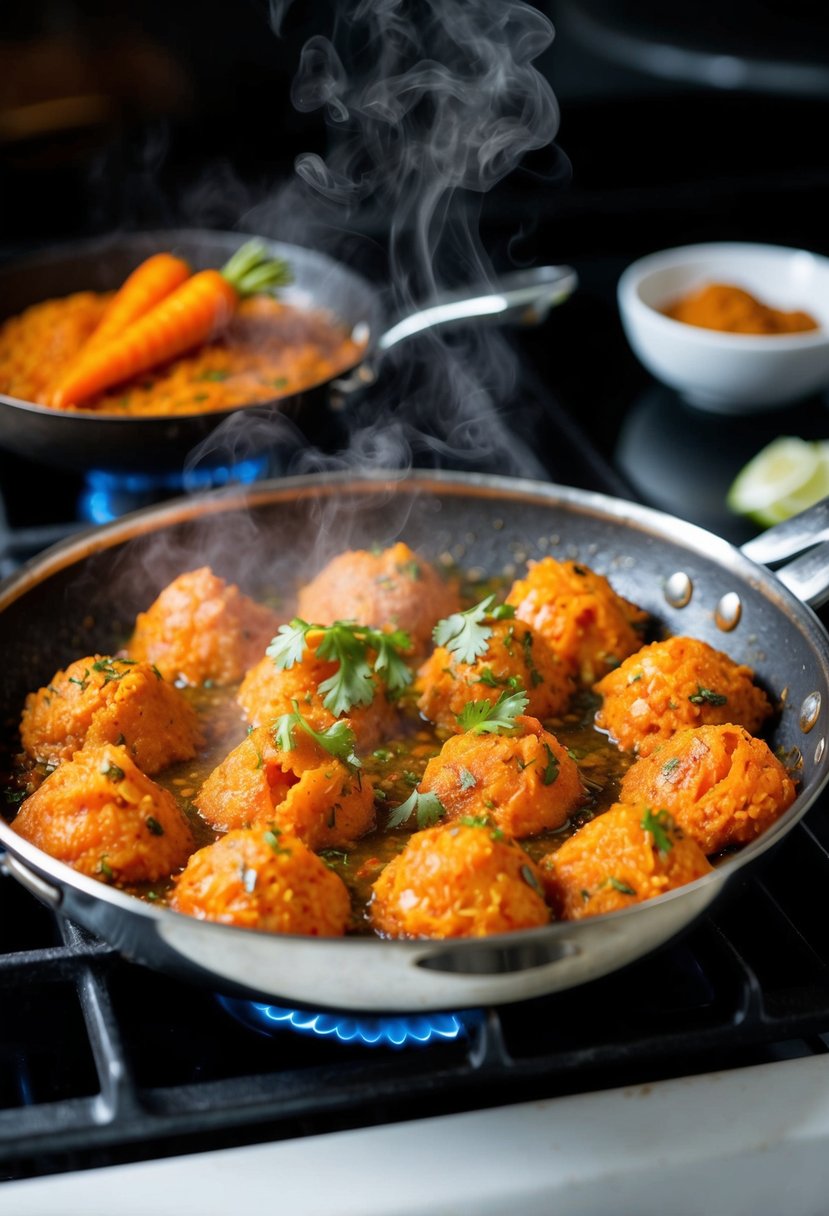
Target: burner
point(109, 495)
point(390, 1030)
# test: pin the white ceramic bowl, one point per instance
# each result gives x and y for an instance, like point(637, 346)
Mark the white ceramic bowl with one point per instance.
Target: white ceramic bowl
point(723, 372)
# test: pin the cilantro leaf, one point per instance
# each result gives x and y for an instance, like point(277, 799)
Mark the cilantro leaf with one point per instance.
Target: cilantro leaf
point(427, 808)
point(707, 696)
point(660, 825)
point(484, 717)
point(466, 634)
point(288, 647)
point(348, 645)
point(338, 739)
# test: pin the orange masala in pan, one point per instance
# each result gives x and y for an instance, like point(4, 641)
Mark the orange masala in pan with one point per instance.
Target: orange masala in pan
point(174, 342)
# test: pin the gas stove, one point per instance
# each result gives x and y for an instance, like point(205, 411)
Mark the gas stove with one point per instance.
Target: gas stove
point(695, 1080)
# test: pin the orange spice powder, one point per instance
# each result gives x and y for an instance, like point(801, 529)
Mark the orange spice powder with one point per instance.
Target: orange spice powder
point(733, 310)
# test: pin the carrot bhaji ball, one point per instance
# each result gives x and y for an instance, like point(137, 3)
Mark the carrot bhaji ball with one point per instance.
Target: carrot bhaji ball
point(622, 857)
point(589, 626)
point(527, 783)
point(304, 790)
point(674, 684)
point(480, 657)
point(292, 671)
point(466, 880)
point(100, 700)
point(201, 628)
point(101, 815)
point(389, 589)
point(722, 786)
point(263, 879)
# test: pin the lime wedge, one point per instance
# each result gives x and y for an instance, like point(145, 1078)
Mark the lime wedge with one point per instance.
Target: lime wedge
point(787, 476)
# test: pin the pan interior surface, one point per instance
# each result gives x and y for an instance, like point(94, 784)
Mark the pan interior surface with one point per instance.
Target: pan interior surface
point(84, 595)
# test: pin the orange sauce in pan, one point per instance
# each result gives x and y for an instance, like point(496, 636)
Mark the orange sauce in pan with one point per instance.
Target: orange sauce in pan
point(270, 349)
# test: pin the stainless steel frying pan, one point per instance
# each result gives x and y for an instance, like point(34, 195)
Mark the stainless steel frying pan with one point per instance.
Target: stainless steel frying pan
point(83, 440)
point(84, 593)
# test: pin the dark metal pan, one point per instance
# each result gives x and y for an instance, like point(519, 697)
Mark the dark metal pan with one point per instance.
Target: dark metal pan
point(84, 593)
point(82, 440)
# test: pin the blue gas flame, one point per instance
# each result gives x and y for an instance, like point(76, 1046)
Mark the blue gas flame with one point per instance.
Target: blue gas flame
point(414, 1030)
point(108, 495)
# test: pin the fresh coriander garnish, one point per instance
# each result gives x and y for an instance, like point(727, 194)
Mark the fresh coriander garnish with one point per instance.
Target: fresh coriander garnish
point(551, 768)
point(466, 634)
point(660, 825)
point(427, 808)
point(484, 717)
point(623, 888)
point(338, 739)
point(110, 671)
point(669, 766)
point(349, 645)
point(467, 779)
point(707, 696)
point(113, 771)
point(271, 839)
point(105, 868)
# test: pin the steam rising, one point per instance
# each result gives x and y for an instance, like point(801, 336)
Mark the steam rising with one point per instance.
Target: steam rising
point(426, 106)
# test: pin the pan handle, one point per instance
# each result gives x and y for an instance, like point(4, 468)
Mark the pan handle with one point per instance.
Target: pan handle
point(525, 296)
point(806, 534)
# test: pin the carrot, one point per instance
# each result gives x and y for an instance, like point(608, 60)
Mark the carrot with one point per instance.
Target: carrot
point(148, 284)
point(191, 314)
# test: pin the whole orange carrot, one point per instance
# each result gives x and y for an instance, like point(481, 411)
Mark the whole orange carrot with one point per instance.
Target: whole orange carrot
point(195, 312)
point(148, 284)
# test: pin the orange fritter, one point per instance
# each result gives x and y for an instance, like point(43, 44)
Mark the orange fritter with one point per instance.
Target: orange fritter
point(722, 786)
point(526, 783)
point(390, 589)
point(589, 626)
point(466, 880)
point(516, 658)
point(201, 628)
point(673, 684)
point(622, 857)
point(263, 879)
point(268, 691)
point(100, 700)
point(101, 815)
point(305, 791)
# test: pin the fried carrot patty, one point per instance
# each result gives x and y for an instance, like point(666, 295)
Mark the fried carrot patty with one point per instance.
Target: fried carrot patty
point(525, 782)
point(722, 786)
point(466, 880)
point(305, 791)
point(626, 855)
point(515, 658)
point(101, 815)
point(389, 589)
point(263, 879)
point(268, 691)
point(99, 700)
point(587, 624)
point(201, 628)
point(673, 684)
